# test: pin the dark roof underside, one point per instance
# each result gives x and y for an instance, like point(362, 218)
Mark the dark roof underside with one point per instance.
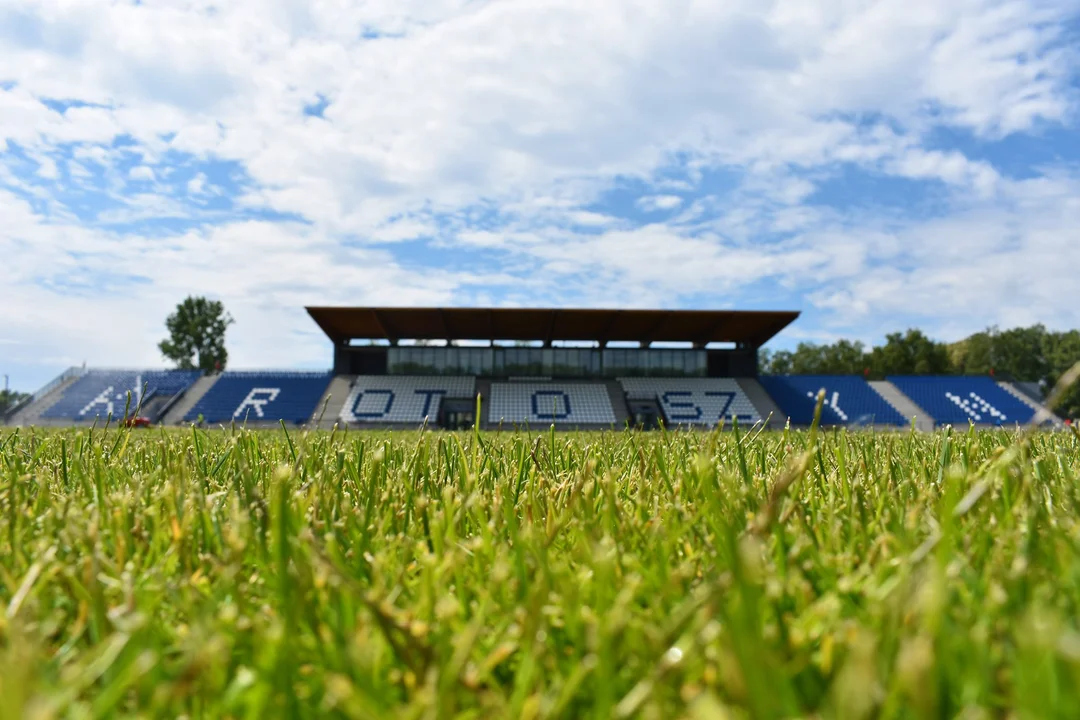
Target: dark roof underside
point(342, 324)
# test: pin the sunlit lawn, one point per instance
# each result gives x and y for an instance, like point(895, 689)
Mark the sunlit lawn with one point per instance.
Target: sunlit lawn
point(246, 574)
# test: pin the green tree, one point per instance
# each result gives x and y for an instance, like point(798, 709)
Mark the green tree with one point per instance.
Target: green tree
point(972, 355)
point(9, 399)
point(1018, 354)
point(843, 357)
point(774, 362)
point(197, 335)
point(1021, 353)
point(808, 359)
point(1062, 351)
point(910, 353)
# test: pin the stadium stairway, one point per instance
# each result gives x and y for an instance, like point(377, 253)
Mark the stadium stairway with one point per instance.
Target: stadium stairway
point(1031, 389)
point(762, 402)
point(337, 393)
point(903, 405)
point(1027, 400)
point(153, 406)
point(483, 389)
point(618, 403)
point(31, 414)
point(180, 408)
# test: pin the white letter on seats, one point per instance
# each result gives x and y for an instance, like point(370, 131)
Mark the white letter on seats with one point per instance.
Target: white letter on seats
point(105, 398)
point(258, 398)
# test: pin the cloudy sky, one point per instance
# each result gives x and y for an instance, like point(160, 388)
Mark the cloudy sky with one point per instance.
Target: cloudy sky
point(877, 164)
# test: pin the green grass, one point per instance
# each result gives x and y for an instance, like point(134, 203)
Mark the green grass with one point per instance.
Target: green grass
point(702, 575)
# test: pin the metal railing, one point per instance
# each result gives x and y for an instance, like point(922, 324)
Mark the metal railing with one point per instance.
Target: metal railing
point(71, 372)
point(164, 411)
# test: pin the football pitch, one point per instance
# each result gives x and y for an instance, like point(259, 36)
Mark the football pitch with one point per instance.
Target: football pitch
point(253, 574)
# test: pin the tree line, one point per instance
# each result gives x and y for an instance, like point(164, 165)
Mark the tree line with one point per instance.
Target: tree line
point(1032, 354)
point(9, 399)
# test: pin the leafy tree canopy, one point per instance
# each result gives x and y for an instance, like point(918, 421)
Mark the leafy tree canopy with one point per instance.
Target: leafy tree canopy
point(9, 399)
point(197, 335)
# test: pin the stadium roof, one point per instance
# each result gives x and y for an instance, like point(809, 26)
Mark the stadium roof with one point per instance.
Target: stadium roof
point(755, 328)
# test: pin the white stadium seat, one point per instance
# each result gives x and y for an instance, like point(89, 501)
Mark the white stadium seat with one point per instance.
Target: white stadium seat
point(694, 401)
point(544, 403)
point(401, 398)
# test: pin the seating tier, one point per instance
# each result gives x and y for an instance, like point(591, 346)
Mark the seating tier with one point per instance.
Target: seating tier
point(402, 399)
point(104, 393)
point(957, 400)
point(694, 401)
point(261, 397)
point(849, 400)
point(544, 403)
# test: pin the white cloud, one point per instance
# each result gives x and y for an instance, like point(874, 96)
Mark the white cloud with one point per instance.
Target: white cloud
point(653, 203)
point(197, 185)
point(501, 128)
point(70, 292)
point(141, 172)
point(47, 168)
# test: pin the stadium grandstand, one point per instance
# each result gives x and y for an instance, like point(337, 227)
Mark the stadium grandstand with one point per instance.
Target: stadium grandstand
point(571, 368)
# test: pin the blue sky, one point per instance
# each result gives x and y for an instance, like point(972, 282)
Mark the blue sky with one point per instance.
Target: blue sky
point(878, 164)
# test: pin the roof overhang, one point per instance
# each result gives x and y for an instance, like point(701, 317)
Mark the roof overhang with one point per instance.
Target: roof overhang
point(749, 327)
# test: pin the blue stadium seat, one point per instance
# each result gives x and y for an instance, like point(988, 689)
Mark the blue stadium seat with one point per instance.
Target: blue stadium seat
point(101, 393)
point(694, 401)
point(849, 400)
point(956, 400)
point(402, 399)
point(262, 397)
point(544, 403)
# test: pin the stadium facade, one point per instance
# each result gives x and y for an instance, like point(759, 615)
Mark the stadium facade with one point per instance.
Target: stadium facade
point(572, 368)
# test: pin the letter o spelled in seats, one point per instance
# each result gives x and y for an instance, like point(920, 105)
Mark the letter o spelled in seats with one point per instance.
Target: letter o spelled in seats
point(545, 404)
point(388, 399)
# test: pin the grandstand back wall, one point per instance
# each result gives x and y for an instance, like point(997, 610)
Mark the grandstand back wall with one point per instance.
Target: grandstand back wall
point(560, 362)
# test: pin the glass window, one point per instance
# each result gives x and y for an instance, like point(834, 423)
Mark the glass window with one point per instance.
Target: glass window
point(623, 361)
point(481, 361)
point(522, 362)
point(611, 363)
point(575, 362)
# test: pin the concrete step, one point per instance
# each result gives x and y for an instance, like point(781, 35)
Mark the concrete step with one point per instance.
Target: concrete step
point(762, 402)
point(192, 395)
point(483, 389)
point(1042, 413)
point(618, 403)
point(903, 405)
point(1031, 389)
point(152, 408)
point(31, 414)
point(333, 400)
